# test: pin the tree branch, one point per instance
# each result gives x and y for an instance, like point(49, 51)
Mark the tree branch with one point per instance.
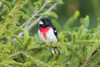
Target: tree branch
point(58, 45)
point(22, 52)
point(14, 54)
point(42, 63)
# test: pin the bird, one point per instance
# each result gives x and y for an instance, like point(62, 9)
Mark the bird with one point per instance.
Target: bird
point(48, 34)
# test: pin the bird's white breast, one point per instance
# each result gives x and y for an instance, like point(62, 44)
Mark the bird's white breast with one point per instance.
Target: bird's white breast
point(50, 36)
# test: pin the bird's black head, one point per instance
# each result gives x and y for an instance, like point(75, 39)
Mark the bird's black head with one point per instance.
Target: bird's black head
point(45, 22)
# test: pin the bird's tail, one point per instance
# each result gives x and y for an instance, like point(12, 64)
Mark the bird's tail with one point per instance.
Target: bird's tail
point(54, 50)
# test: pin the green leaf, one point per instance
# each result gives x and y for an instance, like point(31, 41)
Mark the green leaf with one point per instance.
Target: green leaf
point(19, 12)
point(7, 8)
point(27, 42)
point(53, 14)
point(26, 33)
point(60, 1)
point(74, 52)
point(18, 38)
point(27, 64)
point(36, 8)
point(25, 16)
point(76, 14)
point(74, 38)
point(85, 21)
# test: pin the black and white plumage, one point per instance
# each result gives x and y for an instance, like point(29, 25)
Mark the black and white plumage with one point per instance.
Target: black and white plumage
point(47, 33)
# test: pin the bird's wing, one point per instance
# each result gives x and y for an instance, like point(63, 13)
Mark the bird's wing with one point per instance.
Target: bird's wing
point(54, 30)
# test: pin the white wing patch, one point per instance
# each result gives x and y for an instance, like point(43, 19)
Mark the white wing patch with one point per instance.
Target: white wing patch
point(49, 35)
point(55, 31)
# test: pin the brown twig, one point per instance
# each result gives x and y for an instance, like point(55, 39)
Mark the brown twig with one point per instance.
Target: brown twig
point(22, 52)
point(14, 54)
point(34, 60)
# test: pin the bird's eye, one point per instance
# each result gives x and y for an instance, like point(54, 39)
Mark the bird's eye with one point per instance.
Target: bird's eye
point(40, 22)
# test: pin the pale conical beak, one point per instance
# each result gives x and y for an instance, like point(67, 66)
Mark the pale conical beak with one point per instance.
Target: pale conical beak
point(40, 22)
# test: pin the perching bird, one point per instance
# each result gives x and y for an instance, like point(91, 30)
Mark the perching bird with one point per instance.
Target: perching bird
point(48, 34)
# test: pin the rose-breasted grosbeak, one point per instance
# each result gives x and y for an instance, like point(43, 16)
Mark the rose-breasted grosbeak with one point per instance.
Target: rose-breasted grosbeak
point(47, 33)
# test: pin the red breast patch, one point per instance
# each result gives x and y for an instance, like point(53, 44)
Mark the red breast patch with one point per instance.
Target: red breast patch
point(43, 31)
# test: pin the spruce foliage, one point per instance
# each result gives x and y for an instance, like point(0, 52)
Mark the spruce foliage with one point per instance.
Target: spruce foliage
point(78, 46)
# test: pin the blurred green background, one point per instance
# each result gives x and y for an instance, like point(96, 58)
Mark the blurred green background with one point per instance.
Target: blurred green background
point(86, 7)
